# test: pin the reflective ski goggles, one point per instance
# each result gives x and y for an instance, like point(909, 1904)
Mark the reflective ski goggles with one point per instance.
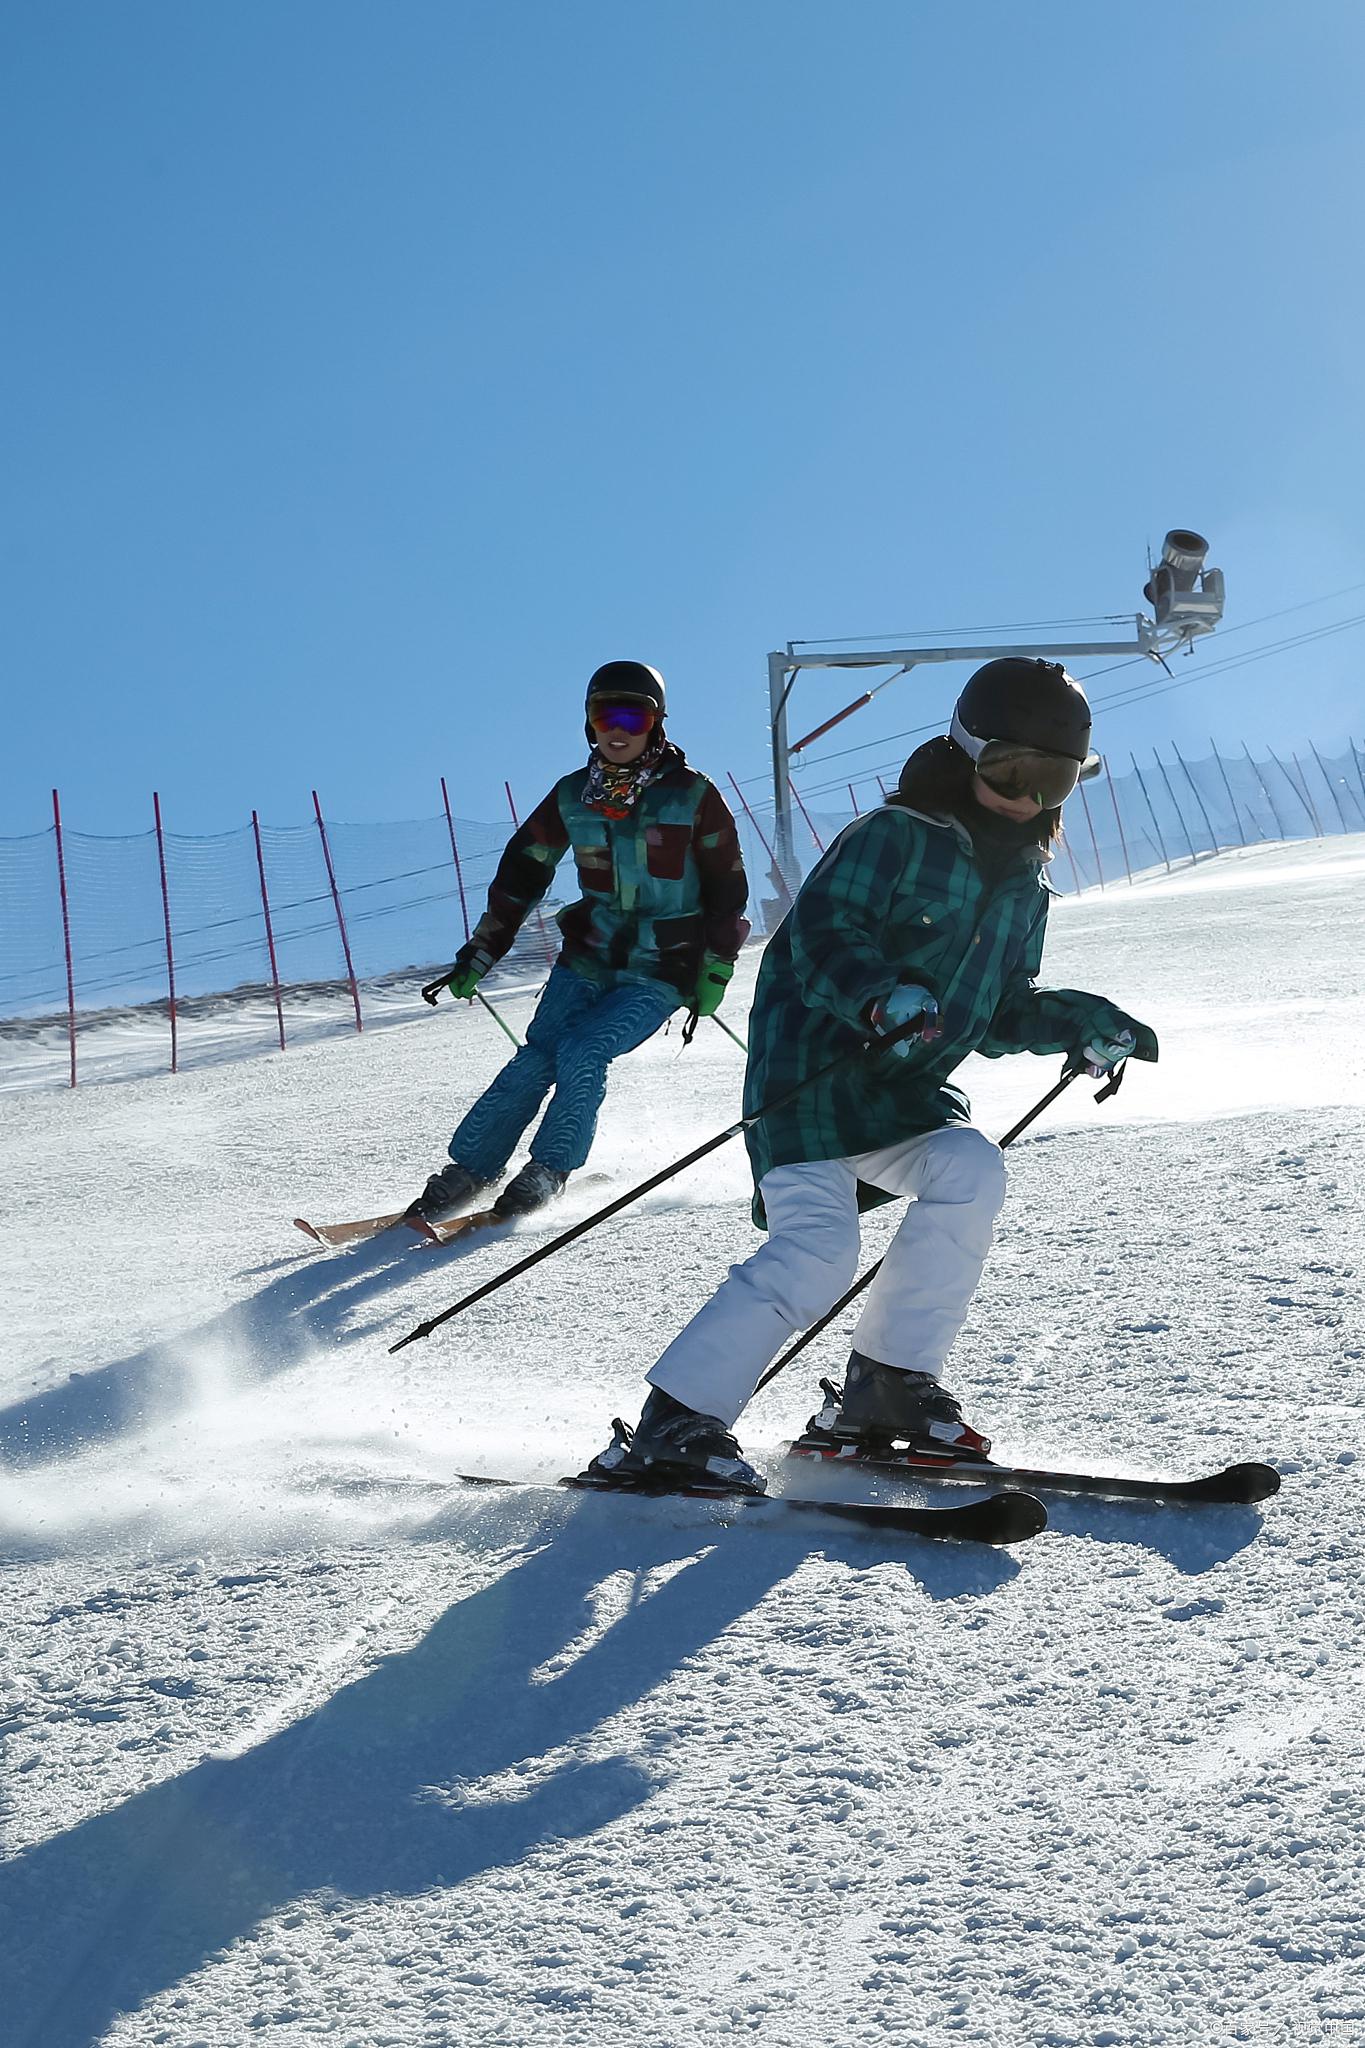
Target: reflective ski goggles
point(603, 716)
point(1014, 770)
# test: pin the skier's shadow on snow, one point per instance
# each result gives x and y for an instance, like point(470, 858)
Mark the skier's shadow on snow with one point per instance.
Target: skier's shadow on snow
point(303, 1309)
point(1193, 1537)
point(366, 1797)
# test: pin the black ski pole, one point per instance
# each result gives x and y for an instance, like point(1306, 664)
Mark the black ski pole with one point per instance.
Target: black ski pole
point(1069, 1074)
point(878, 1045)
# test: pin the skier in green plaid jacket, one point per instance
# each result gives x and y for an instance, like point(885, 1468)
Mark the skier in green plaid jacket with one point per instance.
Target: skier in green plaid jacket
point(924, 922)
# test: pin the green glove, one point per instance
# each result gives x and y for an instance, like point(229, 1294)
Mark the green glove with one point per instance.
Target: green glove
point(712, 983)
point(1109, 1037)
point(470, 966)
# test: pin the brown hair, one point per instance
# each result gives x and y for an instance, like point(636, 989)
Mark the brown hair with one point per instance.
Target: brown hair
point(938, 777)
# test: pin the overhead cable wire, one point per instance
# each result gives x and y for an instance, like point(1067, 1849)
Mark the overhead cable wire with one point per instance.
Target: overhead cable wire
point(940, 632)
point(1215, 667)
point(1121, 700)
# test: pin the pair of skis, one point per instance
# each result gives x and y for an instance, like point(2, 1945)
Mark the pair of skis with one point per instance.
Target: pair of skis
point(1012, 1514)
point(1002, 1518)
point(339, 1237)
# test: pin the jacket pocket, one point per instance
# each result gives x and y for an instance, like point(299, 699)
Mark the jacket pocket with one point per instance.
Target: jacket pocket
point(666, 851)
point(678, 941)
point(926, 932)
point(594, 866)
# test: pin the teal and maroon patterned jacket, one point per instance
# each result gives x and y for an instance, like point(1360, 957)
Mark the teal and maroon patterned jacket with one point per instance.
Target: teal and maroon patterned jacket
point(659, 887)
point(899, 897)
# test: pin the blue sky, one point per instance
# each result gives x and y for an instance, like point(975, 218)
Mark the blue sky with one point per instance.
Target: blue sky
point(373, 372)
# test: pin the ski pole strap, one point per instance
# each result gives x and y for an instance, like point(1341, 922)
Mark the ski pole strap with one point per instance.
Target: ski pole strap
point(689, 1030)
point(645, 1187)
point(1111, 1086)
point(1069, 1074)
point(1114, 1083)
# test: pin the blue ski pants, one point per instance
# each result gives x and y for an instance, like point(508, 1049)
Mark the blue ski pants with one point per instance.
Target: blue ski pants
point(578, 1029)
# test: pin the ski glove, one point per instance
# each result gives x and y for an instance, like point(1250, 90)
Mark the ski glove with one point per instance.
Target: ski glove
point(911, 999)
point(470, 965)
point(1105, 1051)
point(1111, 1037)
point(712, 983)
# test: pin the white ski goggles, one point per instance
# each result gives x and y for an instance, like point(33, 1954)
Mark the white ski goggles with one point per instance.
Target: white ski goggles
point(1014, 770)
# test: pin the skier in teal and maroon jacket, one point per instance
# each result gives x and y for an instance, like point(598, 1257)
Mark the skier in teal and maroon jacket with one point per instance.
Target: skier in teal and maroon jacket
point(925, 917)
point(657, 927)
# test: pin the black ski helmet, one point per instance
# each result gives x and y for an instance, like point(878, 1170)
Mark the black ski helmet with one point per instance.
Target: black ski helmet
point(1028, 700)
point(628, 682)
point(625, 682)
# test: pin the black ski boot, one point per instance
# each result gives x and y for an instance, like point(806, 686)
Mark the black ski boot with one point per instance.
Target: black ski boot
point(674, 1446)
point(881, 1405)
point(445, 1194)
point(531, 1189)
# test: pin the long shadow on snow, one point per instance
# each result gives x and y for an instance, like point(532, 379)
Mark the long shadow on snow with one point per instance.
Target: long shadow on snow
point(1193, 1537)
point(363, 1798)
point(300, 1311)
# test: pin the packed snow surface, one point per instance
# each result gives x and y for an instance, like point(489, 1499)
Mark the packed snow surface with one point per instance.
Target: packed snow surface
point(304, 1741)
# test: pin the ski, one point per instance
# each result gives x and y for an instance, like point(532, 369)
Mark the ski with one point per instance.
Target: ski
point(1234, 1485)
point(1005, 1517)
point(339, 1237)
point(335, 1237)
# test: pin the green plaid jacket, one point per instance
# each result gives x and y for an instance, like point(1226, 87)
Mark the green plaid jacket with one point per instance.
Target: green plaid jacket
point(898, 897)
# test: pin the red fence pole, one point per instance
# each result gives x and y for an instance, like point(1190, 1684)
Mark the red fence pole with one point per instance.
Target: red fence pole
point(336, 899)
point(1265, 791)
point(455, 856)
point(1203, 807)
point(1308, 798)
point(269, 929)
point(1114, 799)
point(1308, 810)
point(806, 815)
point(1189, 840)
point(166, 914)
point(1151, 812)
point(775, 874)
point(1330, 790)
point(1085, 806)
point(762, 835)
point(854, 801)
point(544, 935)
point(1236, 814)
point(66, 935)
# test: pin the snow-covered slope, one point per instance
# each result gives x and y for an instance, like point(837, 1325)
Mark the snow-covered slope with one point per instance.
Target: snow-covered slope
point(303, 1743)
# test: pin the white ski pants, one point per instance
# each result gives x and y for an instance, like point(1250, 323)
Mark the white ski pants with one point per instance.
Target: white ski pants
point(915, 1306)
